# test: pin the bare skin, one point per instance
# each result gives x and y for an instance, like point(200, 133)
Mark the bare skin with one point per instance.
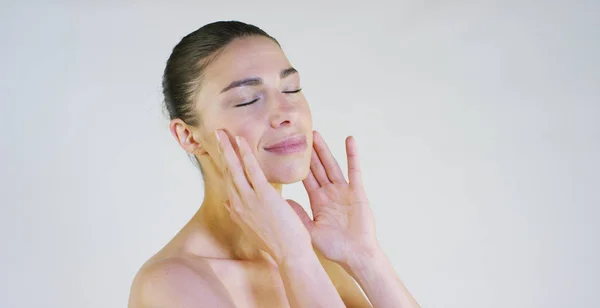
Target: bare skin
point(195, 260)
point(247, 246)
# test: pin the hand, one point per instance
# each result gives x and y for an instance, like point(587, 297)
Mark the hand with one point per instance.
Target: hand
point(255, 205)
point(342, 224)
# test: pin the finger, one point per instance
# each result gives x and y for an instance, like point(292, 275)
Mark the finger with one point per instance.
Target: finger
point(332, 168)
point(314, 196)
point(306, 221)
point(230, 188)
point(234, 204)
point(318, 170)
point(251, 167)
point(354, 173)
point(233, 165)
point(310, 182)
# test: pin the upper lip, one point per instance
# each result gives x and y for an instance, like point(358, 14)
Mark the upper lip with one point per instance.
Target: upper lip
point(287, 141)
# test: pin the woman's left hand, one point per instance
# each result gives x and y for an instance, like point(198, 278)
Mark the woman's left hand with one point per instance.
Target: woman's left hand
point(342, 226)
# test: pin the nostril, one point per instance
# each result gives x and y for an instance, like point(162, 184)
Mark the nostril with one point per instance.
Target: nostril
point(281, 120)
point(285, 123)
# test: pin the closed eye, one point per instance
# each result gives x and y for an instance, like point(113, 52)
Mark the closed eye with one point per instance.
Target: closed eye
point(248, 103)
point(291, 92)
point(255, 100)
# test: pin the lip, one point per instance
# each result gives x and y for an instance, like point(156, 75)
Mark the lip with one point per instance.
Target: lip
point(288, 145)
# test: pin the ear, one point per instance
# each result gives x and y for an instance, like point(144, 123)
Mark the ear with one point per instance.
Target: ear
point(187, 136)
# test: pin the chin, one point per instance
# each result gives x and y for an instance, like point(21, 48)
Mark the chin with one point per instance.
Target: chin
point(287, 172)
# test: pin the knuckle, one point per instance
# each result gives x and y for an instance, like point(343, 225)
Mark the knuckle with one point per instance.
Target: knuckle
point(237, 175)
point(254, 200)
point(247, 157)
point(238, 210)
point(251, 170)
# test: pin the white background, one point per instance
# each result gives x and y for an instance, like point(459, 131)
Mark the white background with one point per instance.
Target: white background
point(477, 123)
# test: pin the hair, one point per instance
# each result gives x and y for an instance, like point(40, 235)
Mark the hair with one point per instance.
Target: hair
point(185, 67)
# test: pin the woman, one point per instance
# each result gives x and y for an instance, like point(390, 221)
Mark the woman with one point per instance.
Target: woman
point(236, 104)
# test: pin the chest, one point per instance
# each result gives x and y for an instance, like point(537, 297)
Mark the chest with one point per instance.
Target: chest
point(251, 285)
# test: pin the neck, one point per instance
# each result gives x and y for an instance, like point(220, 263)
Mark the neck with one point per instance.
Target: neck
point(225, 235)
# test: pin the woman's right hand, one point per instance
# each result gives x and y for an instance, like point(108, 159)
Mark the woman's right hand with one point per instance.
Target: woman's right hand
point(256, 206)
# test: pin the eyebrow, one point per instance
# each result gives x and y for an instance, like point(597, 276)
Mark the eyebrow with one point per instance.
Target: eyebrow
point(254, 81)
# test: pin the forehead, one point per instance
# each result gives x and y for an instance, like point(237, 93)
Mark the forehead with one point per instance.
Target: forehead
point(243, 58)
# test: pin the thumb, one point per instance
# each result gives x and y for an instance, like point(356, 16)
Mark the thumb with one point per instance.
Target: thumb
point(306, 221)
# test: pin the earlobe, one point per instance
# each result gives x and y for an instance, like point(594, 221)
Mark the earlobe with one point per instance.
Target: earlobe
point(186, 137)
point(200, 150)
point(194, 145)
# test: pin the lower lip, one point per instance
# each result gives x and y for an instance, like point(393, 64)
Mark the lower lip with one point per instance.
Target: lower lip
point(288, 149)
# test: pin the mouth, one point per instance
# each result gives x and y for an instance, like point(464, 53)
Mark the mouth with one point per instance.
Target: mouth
point(289, 145)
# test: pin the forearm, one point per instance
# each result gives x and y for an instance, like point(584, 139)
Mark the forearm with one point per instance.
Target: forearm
point(378, 279)
point(307, 283)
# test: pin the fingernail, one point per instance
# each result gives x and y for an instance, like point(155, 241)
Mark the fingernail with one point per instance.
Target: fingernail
point(237, 140)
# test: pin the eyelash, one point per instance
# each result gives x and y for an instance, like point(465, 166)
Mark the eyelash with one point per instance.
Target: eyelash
point(254, 101)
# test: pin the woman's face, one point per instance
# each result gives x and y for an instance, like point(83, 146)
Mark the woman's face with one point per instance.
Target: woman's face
point(251, 90)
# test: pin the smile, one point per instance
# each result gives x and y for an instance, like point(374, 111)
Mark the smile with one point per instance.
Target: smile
point(289, 145)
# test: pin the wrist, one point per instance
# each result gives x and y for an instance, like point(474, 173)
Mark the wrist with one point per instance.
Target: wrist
point(305, 261)
point(295, 251)
point(363, 259)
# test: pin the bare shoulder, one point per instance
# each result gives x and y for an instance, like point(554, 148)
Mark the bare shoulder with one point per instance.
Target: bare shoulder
point(174, 283)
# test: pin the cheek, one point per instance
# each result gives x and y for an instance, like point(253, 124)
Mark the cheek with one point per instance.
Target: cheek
point(306, 114)
point(250, 133)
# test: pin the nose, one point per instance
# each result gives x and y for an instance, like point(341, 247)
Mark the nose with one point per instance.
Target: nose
point(282, 111)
